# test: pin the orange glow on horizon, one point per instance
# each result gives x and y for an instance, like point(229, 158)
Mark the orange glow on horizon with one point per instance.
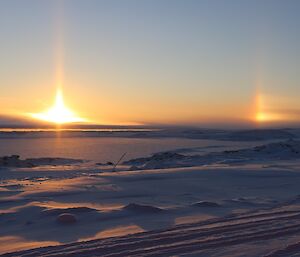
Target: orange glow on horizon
point(58, 113)
point(265, 117)
point(262, 114)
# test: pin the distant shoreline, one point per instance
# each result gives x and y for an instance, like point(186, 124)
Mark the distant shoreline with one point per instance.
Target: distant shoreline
point(8, 130)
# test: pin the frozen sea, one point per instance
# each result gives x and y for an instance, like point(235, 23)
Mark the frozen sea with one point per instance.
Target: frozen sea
point(103, 146)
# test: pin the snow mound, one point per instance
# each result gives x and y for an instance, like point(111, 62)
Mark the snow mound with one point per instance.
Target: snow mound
point(286, 150)
point(205, 204)
point(74, 210)
point(157, 161)
point(143, 209)
point(289, 149)
point(66, 218)
point(165, 156)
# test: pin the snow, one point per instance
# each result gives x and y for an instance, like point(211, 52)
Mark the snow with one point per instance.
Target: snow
point(186, 202)
point(286, 150)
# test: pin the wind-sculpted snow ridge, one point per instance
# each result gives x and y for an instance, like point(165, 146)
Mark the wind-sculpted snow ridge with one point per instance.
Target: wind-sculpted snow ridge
point(269, 230)
point(286, 150)
point(292, 250)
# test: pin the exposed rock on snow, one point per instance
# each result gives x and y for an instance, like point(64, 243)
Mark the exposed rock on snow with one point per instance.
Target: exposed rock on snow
point(15, 161)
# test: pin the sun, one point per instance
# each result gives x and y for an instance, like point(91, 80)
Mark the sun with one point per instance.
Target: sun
point(263, 114)
point(58, 113)
point(262, 117)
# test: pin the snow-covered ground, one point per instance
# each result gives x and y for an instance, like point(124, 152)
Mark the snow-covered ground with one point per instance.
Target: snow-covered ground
point(185, 202)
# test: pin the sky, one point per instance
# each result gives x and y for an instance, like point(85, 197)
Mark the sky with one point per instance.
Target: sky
point(179, 62)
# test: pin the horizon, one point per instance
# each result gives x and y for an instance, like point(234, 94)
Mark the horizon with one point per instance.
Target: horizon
point(32, 125)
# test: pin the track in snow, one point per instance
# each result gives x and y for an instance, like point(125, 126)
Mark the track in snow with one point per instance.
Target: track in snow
point(195, 238)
